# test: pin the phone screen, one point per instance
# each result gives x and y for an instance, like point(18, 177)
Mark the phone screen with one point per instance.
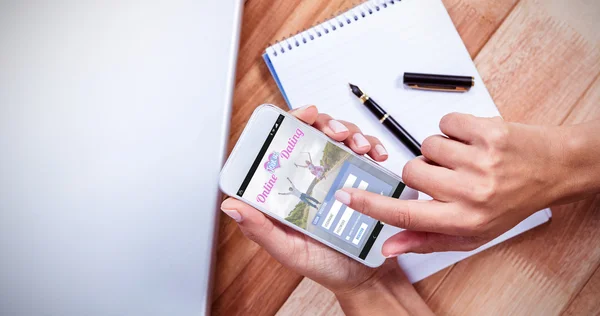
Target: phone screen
point(296, 175)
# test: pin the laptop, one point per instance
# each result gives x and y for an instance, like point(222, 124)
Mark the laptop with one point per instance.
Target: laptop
point(113, 126)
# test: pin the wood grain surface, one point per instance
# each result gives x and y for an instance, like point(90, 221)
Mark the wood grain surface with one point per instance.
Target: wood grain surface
point(540, 60)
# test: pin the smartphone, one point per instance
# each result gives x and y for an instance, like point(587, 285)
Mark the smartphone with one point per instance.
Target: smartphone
point(290, 171)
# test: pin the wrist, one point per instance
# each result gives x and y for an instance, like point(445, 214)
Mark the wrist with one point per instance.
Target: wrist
point(386, 292)
point(578, 163)
point(372, 298)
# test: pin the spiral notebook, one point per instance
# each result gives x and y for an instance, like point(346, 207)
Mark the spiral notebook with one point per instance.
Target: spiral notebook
point(372, 45)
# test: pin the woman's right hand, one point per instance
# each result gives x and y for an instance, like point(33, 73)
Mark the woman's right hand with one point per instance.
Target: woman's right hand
point(485, 176)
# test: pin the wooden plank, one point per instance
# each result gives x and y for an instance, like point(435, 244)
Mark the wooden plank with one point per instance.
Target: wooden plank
point(232, 257)
point(540, 271)
point(310, 298)
point(588, 108)
point(261, 288)
point(477, 20)
point(587, 302)
point(536, 273)
point(537, 65)
point(427, 287)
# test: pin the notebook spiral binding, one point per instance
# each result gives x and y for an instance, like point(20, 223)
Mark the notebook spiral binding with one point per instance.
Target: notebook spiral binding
point(338, 20)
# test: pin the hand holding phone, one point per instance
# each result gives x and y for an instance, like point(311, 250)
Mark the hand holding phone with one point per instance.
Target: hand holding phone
point(293, 248)
point(291, 171)
point(358, 288)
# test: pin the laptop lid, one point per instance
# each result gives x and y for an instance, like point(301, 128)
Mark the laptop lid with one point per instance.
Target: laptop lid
point(113, 125)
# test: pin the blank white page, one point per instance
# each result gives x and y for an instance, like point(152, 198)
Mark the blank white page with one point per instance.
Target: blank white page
point(373, 52)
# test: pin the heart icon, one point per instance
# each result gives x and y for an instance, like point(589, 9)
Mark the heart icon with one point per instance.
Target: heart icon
point(272, 162)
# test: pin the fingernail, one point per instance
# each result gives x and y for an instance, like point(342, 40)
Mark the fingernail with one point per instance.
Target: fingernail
point(342, 196)
point(304, 107)
point(360, 140)
point(399, 250)
point(235, 215)
point(396, 252)
point(380, 150)
point(337, 127)
point(392, 254)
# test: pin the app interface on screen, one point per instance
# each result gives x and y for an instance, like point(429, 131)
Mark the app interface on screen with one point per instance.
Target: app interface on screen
point(295, 177)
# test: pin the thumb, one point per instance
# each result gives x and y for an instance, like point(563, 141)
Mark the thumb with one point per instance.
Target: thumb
point(425, 242)
point(308, 114)
point(257, 227)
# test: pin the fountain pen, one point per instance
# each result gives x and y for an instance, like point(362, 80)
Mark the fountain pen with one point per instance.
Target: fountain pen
point(384, 118)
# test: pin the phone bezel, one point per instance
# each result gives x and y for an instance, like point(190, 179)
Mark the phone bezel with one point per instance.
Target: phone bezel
point(248, 146)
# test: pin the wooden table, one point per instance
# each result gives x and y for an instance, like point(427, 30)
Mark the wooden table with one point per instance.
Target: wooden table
point(540, 61)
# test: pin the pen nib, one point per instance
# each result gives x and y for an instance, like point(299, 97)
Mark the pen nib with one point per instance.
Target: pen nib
point(355, 90)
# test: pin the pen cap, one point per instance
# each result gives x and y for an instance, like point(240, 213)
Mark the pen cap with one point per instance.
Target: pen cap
point(411, 78)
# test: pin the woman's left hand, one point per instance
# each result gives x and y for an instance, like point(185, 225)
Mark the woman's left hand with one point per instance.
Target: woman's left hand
point(295, 250)
point(360, 290)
